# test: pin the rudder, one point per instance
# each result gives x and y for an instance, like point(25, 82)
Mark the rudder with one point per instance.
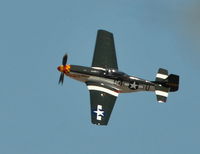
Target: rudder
point(172, 82)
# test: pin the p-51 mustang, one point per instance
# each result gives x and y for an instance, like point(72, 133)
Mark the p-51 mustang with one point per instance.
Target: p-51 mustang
point(105, 82)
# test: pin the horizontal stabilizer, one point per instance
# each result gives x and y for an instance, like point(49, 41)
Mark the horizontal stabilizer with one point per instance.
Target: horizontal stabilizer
point(161, 90)
point(161, 75)
point(161, 93)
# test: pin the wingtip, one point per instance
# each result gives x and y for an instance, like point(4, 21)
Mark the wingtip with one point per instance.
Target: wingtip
point(104, 31)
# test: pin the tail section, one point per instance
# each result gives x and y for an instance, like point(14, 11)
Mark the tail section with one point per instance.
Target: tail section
point(161, 75)
point(173, 82)
point(164, 84)
point(161, 93)
point(160, 90)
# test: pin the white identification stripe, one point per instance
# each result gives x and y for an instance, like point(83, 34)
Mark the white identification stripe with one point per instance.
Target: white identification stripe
point(162, 76)
point(103, 90)
point(161, 93)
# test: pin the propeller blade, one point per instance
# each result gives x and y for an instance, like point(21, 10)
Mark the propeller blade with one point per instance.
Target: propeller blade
point(64, 61)
point(61, 80)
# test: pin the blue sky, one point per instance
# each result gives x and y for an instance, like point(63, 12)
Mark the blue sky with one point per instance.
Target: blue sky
point(37, 116)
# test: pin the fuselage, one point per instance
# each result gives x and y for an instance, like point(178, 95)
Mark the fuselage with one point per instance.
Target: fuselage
point(112, 78)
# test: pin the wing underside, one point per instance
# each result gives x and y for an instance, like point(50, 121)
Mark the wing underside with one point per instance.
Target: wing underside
point(104, 53)
point(102, 101)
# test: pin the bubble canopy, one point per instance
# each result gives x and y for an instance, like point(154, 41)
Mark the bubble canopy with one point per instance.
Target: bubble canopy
point(114, 72)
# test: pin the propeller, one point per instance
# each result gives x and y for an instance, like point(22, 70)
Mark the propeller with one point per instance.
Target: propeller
point(64, 62)
point(61, 80)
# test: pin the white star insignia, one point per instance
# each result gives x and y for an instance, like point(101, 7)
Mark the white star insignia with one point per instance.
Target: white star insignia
point(99, 112)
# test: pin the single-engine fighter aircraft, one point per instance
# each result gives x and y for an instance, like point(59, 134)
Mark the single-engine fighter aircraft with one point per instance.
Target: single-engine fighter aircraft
point(105, 82)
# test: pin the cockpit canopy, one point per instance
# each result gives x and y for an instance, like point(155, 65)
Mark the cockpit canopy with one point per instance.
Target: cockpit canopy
point(114, 73)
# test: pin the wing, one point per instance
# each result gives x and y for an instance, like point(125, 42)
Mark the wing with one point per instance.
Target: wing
point(104, 53)
point(102, 101)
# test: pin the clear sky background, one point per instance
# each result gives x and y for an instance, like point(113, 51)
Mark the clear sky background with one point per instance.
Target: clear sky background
point(38, 116)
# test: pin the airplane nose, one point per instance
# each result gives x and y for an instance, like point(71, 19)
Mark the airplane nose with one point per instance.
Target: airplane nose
point(60, 68)
point(67, 68)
